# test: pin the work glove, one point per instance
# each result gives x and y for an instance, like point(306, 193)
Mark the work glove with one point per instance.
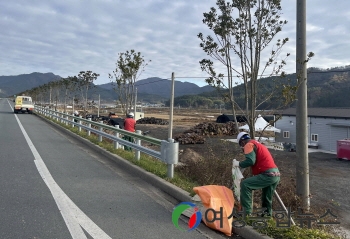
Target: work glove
point(235, 163)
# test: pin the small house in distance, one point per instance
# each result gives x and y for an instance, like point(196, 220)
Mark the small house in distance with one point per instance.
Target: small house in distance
point(325, 127)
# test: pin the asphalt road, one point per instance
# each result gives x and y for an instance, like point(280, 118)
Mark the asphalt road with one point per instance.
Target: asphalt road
point(52, 186)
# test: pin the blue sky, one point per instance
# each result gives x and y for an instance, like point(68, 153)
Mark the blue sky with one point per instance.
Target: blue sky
point(65, 37)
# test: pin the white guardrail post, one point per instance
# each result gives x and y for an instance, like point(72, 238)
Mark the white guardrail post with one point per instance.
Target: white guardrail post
point(79, 122)
point(73, 120)
point(138, 142)
point(61, 117)
point(89, 125)
point(170, 155)
point(116, 144)
point(100, 136)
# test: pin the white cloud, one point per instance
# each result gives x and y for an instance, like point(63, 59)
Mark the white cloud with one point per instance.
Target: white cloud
point(313, 28)
point(65, 37)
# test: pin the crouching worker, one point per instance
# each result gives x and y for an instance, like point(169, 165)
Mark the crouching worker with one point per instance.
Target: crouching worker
point(266, 175)
point(129, 125)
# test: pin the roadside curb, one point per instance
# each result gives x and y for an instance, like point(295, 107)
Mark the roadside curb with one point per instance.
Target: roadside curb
point(179, 194)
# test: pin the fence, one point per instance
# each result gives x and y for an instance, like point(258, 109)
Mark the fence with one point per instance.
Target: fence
point(169, 150)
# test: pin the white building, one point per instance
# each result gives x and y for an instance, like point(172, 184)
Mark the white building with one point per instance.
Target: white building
point(325, 127)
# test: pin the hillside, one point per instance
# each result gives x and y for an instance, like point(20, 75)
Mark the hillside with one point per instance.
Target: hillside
point(326, 88)
point(152, 90)
point(10, 85)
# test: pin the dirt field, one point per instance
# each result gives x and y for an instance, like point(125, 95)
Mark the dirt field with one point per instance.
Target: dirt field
point(329, 177)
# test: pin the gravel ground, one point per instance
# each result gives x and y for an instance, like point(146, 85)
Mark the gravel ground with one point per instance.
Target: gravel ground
point(329, 177)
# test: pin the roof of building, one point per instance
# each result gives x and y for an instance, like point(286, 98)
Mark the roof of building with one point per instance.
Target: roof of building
point(320, 112)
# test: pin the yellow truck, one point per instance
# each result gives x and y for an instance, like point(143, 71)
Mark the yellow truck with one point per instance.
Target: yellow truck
point(23, 104)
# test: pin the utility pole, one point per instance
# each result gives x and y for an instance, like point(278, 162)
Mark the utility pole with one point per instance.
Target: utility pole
point(73, 105)
point(171, 106)
point(170, 166)
point(302, 166)
point(50, 95)
point(99, 104)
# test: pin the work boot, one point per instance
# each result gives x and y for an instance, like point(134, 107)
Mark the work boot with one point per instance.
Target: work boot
point(265, 214)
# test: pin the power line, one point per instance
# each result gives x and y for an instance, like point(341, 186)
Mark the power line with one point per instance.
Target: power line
point(332, 71)
point(205, 77)
point(192, 77)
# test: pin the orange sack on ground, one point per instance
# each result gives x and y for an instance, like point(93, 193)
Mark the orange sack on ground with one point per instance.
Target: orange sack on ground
point(217, 198)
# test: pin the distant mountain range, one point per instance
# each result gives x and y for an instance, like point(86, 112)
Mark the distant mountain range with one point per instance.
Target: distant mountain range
point(10, 85)
point(162, 87)
point(151, 89)
point(326, 88)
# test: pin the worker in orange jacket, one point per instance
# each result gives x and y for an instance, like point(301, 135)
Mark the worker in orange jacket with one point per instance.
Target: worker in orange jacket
point(129, 125)
point(266, 175)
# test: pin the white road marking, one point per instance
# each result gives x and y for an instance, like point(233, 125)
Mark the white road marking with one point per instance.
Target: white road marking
point(74, 218)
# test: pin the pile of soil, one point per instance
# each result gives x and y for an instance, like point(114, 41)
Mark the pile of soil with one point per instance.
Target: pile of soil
point(152, 120)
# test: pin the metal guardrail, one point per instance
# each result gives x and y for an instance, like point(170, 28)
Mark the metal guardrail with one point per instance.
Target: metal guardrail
point(169, 150)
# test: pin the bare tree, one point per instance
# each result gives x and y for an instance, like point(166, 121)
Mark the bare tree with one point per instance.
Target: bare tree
point(44, 90)
point(54, 90)
point(85, 80)
point(67, 84)
point(129, 67)
point(243, 29)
